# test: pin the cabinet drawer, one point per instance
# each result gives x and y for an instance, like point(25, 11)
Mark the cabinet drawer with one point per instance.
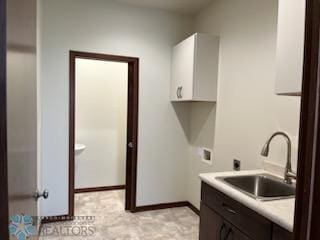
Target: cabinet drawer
point(248, 221)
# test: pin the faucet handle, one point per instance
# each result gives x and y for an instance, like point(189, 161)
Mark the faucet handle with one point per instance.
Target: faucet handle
point(289, 176)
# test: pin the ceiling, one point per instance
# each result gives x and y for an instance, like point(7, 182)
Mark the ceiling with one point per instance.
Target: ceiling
point(180, 6)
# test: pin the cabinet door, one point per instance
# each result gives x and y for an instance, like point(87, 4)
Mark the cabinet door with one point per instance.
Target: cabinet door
point(183, 70)
point(290, 46)
point(234, 234)
point(212, 226)
point(281, 234)
point(175, 79)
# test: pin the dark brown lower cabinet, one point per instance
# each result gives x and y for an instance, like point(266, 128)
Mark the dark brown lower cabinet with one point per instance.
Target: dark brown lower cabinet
point(281, 234)
point(213, 227)
point(223, 218)
point(210, 224)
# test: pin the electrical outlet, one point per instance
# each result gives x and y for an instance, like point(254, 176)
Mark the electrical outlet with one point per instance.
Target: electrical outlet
point(236, 165)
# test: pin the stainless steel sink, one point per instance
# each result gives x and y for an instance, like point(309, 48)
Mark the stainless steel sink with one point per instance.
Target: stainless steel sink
point(263, 187)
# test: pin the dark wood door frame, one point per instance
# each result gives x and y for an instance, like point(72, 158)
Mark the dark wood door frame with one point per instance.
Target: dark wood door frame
point(307, 217)
point(4, 214)
point(132, 124)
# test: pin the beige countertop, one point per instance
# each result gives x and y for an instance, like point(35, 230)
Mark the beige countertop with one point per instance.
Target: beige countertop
point(281, 212)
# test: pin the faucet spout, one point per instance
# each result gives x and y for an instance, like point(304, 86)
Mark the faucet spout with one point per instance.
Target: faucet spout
point(288, 174)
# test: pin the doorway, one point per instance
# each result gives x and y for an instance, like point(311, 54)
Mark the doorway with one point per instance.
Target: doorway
point(127, 140)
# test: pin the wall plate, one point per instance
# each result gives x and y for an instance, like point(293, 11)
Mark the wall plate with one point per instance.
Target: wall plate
point(236, 165)
point(206, 156)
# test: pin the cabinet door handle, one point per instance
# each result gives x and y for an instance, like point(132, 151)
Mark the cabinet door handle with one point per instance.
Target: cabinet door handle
point(230, 234)
point(177, 92)
point(180, 94)
point(229, 209)
point(221, 233)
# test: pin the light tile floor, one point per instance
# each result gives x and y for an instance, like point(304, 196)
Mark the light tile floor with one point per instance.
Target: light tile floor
point(111, 222)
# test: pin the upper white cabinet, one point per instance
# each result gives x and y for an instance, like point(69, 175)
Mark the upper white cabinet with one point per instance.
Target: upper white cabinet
point(290, 46)
point(195, 69)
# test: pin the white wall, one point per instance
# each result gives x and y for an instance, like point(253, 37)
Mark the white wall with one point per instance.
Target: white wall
point(247, 110)
point(202, 130)
point(107, 27)
point(101, 123)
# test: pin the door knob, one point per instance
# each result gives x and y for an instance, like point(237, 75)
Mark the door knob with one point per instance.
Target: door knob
point(44, 194)
point(130, 144)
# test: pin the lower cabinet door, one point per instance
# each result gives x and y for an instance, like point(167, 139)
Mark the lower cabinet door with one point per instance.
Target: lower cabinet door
point(281, 234)
point(234, 234)
point(213, 227)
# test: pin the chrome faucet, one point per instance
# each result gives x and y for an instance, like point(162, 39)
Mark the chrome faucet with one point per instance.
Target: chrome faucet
point(288, 173)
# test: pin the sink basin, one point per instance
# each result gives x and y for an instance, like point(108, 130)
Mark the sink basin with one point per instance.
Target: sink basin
point(262, 187)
